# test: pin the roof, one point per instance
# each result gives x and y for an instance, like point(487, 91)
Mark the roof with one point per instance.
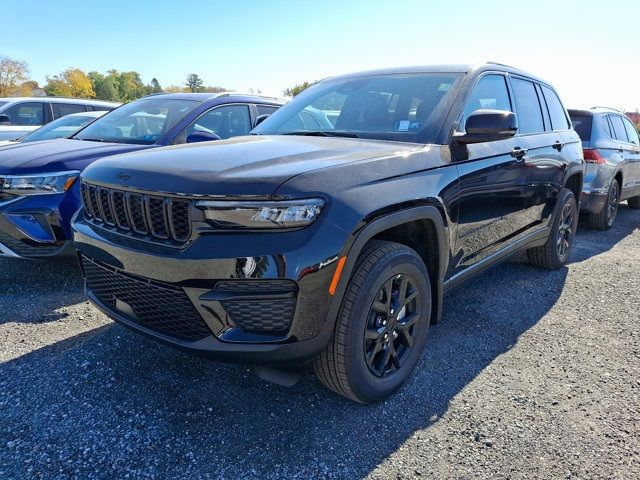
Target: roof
point(592, 110)
point(454, 68)
point(203, 96)
point(90, 101)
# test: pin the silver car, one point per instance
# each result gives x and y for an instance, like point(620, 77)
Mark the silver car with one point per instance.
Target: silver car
point(612, 155)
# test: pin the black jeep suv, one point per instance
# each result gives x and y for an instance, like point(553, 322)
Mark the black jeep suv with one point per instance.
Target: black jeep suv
point(331, 234)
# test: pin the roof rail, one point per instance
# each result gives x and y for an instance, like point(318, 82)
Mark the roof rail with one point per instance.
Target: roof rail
point(608, 108)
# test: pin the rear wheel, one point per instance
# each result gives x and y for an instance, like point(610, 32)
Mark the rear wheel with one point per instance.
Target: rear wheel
point(634, 202)
point(555, 252)
point(604, 220)
point(381, 327)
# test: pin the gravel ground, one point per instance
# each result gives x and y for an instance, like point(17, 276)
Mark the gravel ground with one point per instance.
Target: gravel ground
point(530, 374)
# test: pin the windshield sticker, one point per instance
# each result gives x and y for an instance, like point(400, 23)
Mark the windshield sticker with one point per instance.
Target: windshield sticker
point(406, 125)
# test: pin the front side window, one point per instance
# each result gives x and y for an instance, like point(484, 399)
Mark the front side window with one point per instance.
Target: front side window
point(556, 110)
point(490, 93)
point(62, 109)
point(61, 128)
point(632, 133)
point(26, 114)
point(266, 109)
point(396, 107)
point(528, 105)
point(141, 122)
point(225, 121)
point(619, 131)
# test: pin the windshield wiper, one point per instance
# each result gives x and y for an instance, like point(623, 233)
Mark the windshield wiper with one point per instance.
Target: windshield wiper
point(91, 139)
point(321, 133)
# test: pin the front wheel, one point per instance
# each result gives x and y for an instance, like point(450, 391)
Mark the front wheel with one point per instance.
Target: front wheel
point(555, 252)
point(381, 327)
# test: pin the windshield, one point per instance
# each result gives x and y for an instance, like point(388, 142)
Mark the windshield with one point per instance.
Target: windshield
point(141, 122)
point(61, 128)
point(398, 107)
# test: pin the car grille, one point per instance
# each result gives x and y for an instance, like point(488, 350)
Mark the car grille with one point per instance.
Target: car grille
point(153, 217)
point(163, 308)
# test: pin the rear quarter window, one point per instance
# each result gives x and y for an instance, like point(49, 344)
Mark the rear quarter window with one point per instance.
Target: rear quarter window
point(582, 125)
point(556, 110)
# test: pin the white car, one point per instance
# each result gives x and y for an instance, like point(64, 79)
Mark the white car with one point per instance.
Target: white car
point(21, 115)
point(63, 127)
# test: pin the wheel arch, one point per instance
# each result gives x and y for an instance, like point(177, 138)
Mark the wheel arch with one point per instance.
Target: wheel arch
point(411, 227)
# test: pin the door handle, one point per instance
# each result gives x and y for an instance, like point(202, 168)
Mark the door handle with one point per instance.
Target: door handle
point(621, 150)
point(518, 153)
point(558, 145)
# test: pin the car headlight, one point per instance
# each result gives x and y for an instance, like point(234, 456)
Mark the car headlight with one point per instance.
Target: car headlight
point(261, 215)
point(37, 184)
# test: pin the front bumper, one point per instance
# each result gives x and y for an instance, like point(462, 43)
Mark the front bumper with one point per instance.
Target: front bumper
point(259, 298)
point(36, 226)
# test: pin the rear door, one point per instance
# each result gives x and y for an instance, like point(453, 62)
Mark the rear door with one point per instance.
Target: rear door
point(493, 183)
point(627, 151)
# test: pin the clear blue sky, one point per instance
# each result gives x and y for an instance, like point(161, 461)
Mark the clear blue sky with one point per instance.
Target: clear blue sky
point(587, 49)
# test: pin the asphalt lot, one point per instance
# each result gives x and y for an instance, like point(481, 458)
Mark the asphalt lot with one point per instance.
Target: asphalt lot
point(530, 374)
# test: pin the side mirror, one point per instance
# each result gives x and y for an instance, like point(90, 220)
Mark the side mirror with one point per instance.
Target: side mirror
point(196, 137)
point(5, 120)
point(260, 119)
point(488, 126)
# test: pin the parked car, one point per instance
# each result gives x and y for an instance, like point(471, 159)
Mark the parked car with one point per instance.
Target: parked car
point(38, 188)
point(63, 127)
point(612, 153)
point(21, 115)
point(335, 245)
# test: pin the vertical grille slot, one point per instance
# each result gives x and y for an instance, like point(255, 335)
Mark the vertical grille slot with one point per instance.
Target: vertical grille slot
point(157, 217)
point(179, 220)
point(118, 201)
point(160, 218)
point(93, 201)
point(104, 202)
point(137, 213)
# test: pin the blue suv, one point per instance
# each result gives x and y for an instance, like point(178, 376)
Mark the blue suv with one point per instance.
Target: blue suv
point(39, 191)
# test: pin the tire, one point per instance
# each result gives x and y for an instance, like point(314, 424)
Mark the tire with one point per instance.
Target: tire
point(354, 363)
point(563, 228)
point(604, 220)
point(634, 202)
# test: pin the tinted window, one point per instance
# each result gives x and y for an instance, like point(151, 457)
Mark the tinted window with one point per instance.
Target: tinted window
point(582, 125)
point(26, 114)
point(528, 105)
point(606, 127)
point(618, 128)
point(489, 93)
point(100, 108)
point(400, 107)
point(62, 109)
point(226, 121)
point(140, 122)
point(266, 109)
point(632, 133)
point(556, 110)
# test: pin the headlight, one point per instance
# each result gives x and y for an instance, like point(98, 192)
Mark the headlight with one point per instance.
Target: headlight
point(258, 215)
point(58, 182)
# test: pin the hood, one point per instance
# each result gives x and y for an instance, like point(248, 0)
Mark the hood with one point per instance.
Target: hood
point(56, 155)
point(252, 165)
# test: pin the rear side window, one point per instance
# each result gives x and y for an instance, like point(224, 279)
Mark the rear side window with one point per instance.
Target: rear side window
point(26, 114)
point(266, 109)
point(62, 109)
point(619, 131)
point(489, 93)
point(632, 133)
point(556, 110)
point(528, 106)
point(606, 127)
point(582, 125)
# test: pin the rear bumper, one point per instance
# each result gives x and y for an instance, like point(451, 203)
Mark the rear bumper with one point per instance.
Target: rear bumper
point(258, 300)
point(593, 202)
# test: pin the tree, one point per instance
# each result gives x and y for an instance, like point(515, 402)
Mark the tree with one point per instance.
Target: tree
point(194, 83)
point(130, 86)
point(73, 82)
point(12, 74)
point(155, 86)
point(106, 87)
point(296, 89)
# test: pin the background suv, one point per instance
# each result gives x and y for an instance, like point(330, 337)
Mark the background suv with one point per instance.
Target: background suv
point(21, 115)
point(38, 188)
point(335, 243)
point(612, 153)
